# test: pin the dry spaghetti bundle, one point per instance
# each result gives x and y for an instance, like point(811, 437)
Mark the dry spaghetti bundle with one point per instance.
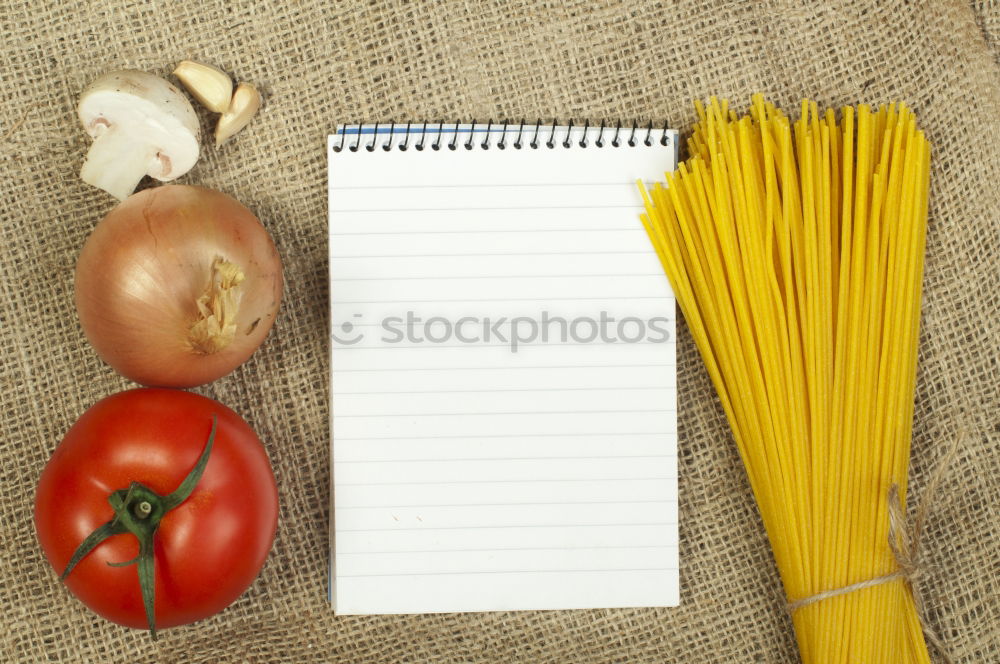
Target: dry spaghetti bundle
point(796, 254)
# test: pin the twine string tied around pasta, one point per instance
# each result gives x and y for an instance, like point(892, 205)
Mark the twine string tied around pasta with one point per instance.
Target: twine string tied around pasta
point(904, 541)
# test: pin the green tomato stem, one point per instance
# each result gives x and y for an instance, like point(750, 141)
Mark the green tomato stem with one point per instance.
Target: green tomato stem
point(138, 510)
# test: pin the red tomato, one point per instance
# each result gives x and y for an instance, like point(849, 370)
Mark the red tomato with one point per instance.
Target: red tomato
point(207, 550)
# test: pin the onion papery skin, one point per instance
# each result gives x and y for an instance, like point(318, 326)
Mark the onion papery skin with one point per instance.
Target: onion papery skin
point(143, 269)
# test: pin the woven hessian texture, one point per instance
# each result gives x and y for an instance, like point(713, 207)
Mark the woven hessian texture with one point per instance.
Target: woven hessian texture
point(385, 60)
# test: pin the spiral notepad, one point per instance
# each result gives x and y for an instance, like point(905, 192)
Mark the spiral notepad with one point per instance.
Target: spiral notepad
point(503, 374)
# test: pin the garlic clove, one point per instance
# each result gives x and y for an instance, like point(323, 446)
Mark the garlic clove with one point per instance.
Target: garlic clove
point(245, 103)
point(209, 85)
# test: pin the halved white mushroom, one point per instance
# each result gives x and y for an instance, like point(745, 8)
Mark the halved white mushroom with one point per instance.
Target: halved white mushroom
point(141, 125)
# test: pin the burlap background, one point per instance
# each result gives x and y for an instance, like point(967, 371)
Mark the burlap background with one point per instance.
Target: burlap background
point(382, 60)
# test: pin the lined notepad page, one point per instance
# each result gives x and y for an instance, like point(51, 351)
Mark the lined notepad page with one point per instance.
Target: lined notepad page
point(478, 466)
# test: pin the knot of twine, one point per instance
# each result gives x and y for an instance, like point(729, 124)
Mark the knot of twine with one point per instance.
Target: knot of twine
point(904, 541)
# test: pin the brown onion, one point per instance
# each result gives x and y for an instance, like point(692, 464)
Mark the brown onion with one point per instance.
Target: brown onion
point(178, 286)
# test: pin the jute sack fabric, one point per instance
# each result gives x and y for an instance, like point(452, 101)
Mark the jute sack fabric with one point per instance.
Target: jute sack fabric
point(383, 60)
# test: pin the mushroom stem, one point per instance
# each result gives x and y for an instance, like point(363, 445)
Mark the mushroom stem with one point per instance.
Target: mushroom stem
point(114, 163)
